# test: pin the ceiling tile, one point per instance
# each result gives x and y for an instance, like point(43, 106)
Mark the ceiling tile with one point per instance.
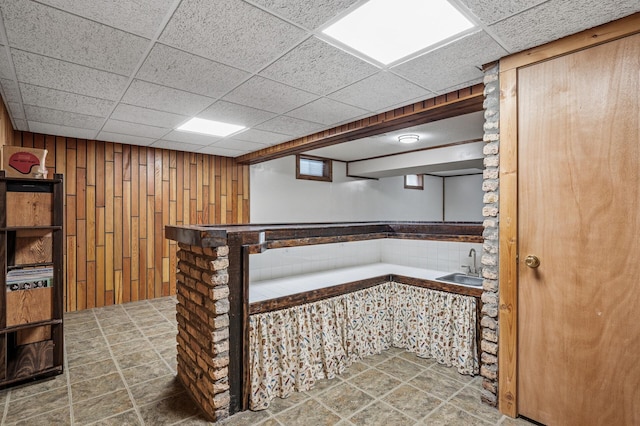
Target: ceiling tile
point(454, 63)
point(64, 101)
point(289, 126)
point(180, 70)
point(327, 111)
point(11, 92)
point(151, 117)
point(126, 128)
point(262, 137)
point(42, 71)
point(455, 87)
point(269, 95)
point(55, 129)
point(230, 31)
point(228, 112)
point(308, 13)
point(41, 29)
point(490, 11)
point(5, 65)
point(15, 108)
point(140, 17)
point(222, 152)
point(63, 118)
point(192, 138)
point(377, 92)
point(153, 96)
point(239, 145)
point(21, 125)
point(318, 67)
point(128, 139)
point(176, 146)
point(558, 18)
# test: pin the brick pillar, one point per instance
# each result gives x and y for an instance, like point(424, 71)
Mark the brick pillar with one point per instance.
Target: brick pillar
point(203, 327)
point(490, 186)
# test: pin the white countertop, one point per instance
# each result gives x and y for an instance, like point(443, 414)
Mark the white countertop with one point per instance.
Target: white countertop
point(279, 287)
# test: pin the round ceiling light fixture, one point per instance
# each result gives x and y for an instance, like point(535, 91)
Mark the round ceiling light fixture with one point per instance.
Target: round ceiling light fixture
point(410, 138)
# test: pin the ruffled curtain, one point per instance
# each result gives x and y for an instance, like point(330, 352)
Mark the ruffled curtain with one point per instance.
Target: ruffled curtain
point(291, 349)
point(435, 324)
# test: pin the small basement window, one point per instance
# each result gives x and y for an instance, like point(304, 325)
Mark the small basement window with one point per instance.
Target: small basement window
point(413, 182)
point(313, 168)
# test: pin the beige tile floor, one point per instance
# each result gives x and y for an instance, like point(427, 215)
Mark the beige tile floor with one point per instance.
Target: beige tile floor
point(120, 365)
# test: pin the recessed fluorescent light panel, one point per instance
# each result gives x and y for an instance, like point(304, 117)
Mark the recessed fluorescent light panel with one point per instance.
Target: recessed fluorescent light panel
point(209, 127)
point(388, 30)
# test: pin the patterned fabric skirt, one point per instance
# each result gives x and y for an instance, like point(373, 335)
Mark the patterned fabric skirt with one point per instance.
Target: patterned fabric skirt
point(292, 348)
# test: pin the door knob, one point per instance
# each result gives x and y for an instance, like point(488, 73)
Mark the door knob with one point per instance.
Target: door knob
point(532, 261)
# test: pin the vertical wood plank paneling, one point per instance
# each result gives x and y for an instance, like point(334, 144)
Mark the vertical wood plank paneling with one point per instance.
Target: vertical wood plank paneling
point(126, 241)
point(150, 291)
point(142, 226)
point(60, 153)
point(135, 259)
point(118, 198)
point(109, 192)
point(180, 185)
point(50, 145)
point(38, 141)
point(212, 190)
point(81, 267)
point(135, 180)
point(6, 129)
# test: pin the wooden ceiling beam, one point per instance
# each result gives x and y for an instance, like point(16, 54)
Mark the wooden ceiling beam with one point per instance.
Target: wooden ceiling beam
point(459, 102)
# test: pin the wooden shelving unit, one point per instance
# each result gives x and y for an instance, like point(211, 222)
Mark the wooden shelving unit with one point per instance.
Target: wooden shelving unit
point(32, 285)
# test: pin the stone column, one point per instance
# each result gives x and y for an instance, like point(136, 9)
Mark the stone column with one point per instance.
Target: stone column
point(203, 327)
point(490, 186)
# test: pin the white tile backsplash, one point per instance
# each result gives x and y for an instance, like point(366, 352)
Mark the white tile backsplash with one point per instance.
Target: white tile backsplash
point(445, 256)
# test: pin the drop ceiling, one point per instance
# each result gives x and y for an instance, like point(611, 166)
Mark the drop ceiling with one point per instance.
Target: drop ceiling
point(132, 71)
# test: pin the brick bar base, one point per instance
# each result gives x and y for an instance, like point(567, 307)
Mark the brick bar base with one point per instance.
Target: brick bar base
point(203, 327)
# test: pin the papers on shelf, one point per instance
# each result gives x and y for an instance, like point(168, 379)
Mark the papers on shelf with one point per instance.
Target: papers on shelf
point(25, 279)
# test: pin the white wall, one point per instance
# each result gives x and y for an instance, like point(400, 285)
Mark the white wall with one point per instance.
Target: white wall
point(278, 197)
point(463, 198)
point(445, 256)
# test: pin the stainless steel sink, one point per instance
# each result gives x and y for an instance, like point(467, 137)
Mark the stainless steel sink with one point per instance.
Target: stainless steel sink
point(463, 279)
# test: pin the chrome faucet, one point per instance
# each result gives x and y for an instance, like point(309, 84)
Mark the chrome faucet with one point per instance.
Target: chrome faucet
point(473, 269)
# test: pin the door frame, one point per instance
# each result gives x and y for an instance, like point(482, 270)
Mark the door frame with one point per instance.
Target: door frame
point(508, 226)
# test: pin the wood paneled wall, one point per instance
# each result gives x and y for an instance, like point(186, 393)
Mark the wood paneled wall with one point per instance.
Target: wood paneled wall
point(6, 130)
point(118, 198)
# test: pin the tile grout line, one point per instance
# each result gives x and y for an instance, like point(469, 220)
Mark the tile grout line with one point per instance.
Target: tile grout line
point(152, 345)
point(374, 398)
point(125, 312)
point(448, 401)
point(468, 385)
point(66, 373)
point(119, 370)
point(343, 381)
point(318, 398)
point(379, 399)
point(145, 337)
point(6, 408)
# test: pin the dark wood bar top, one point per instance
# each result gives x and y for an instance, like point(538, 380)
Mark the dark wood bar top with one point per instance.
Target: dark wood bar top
point(264, 236)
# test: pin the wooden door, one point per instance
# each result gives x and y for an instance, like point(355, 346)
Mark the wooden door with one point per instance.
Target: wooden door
point(579, 213)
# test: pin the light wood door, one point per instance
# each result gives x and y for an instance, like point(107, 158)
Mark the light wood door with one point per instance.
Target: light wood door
point(579, 212)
